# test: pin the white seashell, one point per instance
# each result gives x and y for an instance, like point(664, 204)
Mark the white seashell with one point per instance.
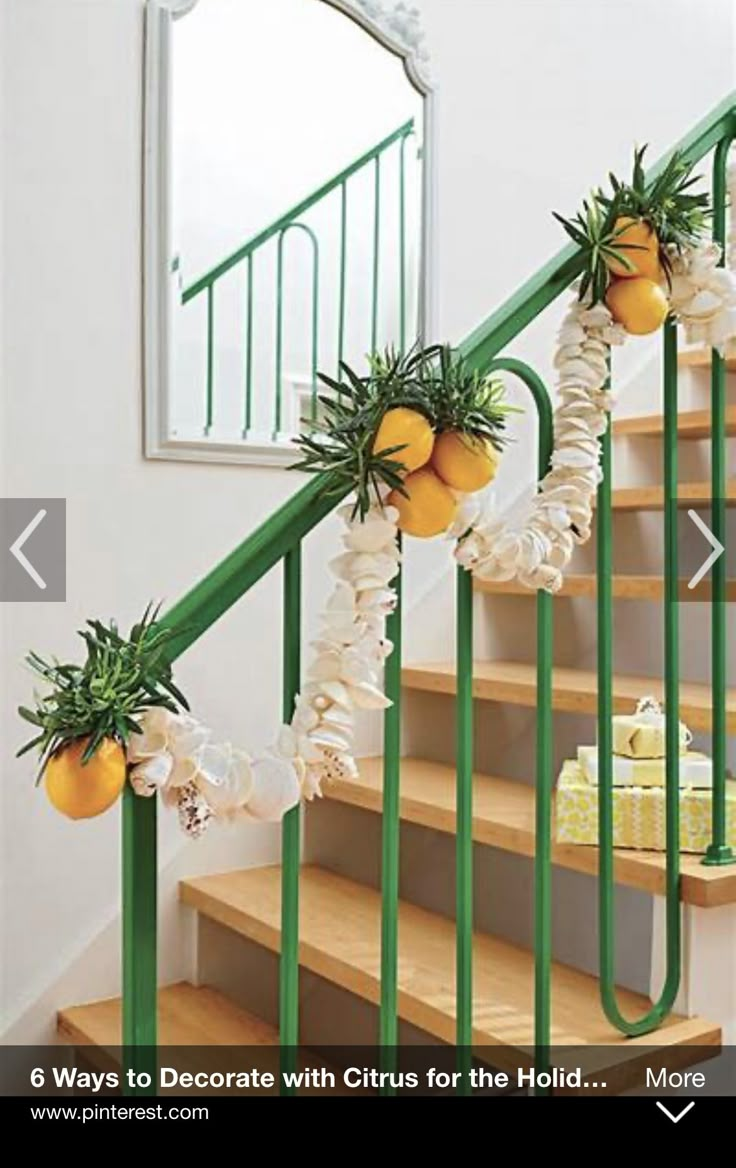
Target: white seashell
point(154, 737)
point(491, 570)
point(338, 693)
point(596, 317)
point(275, 790)
point(337, 716)
point(703, 306)
point(368, 697)
point(195, 814)
point(379, 599)
point(571, 333)
point(331, 738)
point(225, 779)
point(325, 667)
point(370, 536)
point(305, 717)
point(723, 327)
point(152, 774)
point(286, 742)
point(342, 600)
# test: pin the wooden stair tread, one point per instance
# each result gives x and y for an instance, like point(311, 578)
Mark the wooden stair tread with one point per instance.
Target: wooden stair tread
point(624, 588)
point(187, 1016)
point(194, 1018)
point(573, 690)
point(690, 424)
point(503, 817)
point(652, 498)
point(340, 940)
point(700, 359)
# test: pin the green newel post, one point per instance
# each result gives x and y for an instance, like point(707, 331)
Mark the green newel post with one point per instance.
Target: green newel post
point(139, 879)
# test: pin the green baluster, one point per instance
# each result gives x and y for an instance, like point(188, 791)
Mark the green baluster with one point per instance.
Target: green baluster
point(661, 1008)
point(544, 746)
point(402, 246)
point(248, 413)
point(390, 838)
point(719, 851)
point(464, 828)
point(280, 319)
point(343, 275)
point(140, 889)
point(290, 831)
point(376, 249)
point(210, 357)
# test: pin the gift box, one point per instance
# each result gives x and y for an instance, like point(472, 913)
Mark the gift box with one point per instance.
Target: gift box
point(642, 734)
point(638, 814)
point(695, 769)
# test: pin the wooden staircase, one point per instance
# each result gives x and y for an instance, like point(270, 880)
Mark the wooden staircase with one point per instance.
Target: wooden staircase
point(340, 927)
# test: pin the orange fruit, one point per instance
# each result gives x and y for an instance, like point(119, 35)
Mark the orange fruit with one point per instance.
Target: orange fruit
point(430, 507)
point(81, 792)
point(639, 305)
point(641, 235)
point(408, 429)
point(463, 462)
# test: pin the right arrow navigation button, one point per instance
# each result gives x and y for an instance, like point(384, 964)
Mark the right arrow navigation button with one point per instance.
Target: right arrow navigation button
point(716, 545)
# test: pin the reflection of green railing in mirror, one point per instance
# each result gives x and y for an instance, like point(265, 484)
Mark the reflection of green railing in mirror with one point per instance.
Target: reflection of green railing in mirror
point(279, 539)
point(207, 283)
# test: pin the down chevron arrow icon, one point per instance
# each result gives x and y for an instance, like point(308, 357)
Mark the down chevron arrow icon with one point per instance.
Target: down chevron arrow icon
point(676, 1118)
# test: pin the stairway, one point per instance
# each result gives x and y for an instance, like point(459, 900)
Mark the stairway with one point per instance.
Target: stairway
point(340, 920)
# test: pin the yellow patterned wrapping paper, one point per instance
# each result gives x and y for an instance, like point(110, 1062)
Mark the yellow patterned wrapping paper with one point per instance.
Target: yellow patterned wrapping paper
point(638, 814)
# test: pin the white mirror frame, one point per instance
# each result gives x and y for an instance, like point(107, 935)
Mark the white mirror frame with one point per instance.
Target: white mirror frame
point(394, 25)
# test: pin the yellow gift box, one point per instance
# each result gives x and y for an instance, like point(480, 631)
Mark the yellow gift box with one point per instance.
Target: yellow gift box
point(638, 814)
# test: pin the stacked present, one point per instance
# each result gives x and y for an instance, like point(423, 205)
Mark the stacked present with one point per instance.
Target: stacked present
point(639, 770)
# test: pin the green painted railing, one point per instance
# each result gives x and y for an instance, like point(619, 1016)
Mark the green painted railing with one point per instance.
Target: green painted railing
point(207, 284)
point(278, 540)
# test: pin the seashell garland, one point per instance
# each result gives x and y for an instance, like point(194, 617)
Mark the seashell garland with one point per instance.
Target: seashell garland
point(206, 782)
point(537, 550)
point(350, 651)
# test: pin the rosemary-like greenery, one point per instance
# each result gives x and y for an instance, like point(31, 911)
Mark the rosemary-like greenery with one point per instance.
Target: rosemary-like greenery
point(677, 215)
point(433, 380)
point(106, 696)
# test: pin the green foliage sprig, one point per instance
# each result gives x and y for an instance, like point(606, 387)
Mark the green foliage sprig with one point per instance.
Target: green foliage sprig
point(106, 696)
point(469, 402)
point(432, 380)
point(668, 205)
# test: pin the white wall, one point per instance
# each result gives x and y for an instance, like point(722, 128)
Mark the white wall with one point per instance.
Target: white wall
point(528, 120)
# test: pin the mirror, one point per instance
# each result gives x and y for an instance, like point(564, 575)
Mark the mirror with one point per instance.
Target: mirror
point(295, 135)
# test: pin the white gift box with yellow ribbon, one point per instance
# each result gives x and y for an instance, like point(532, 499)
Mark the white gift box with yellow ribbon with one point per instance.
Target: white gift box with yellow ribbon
point(638, 813)
point(695, 769)
point(642, 734)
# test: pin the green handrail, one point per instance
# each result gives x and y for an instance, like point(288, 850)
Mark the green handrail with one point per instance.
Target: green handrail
point(279, 538)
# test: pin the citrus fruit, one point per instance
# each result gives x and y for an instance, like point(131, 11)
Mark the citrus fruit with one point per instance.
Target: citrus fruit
point(638, 304)
point(464, 462)
point(83, 791)
point(408, 429)
point(640, 245)
point(429, 508)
